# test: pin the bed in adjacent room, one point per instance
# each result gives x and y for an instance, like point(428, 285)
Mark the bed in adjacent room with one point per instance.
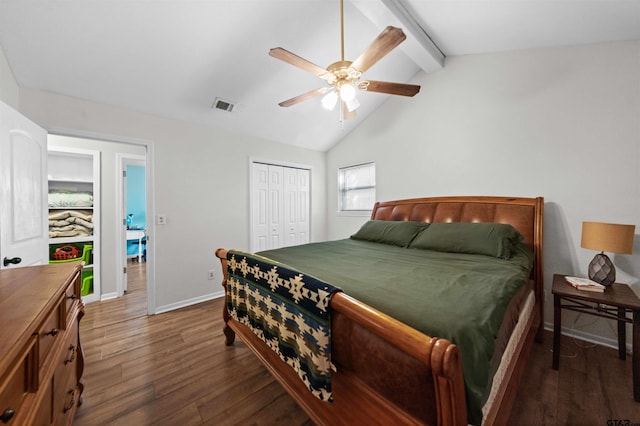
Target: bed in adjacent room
point(426, 315)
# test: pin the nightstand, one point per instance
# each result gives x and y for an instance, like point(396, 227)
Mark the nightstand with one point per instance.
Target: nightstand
point(614, 303)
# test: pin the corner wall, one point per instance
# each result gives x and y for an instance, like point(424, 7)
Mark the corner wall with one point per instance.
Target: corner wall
point(563, 123)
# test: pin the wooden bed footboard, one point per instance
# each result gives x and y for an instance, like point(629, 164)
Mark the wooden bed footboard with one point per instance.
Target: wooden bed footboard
point(386, 372)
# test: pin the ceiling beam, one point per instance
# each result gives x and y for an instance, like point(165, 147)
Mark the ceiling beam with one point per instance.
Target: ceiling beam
point(418, 45)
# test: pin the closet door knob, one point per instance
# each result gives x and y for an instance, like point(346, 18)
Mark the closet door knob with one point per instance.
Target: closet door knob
point(13, 260)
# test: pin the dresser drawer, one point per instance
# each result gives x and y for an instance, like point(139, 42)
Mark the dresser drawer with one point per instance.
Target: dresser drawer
point(43, 412)
point(72, 296)
point(51, 330)
point(65, 401)
point(66, 392)
point(17, 382)
point(66, 366)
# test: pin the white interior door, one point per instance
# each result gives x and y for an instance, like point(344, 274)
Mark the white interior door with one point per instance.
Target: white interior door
point(279, 206)
point(122, 161)
point(122, 231)
point(259, 212)
point(303, 224)
point(296, 206)
point(275, 205)
point(23, 191)
point(290, 206)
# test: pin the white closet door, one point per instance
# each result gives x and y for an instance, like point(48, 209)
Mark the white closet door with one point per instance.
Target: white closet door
point(290, 206)
point(280, 206)
point(276, 206)
point(260, 211)
point(303, 197)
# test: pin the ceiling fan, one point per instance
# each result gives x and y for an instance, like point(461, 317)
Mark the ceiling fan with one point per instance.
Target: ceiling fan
point(343, 77)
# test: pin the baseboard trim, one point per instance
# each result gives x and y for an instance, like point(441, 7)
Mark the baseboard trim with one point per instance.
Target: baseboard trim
point(189, 302)
point(588, 337)
point(108, 296)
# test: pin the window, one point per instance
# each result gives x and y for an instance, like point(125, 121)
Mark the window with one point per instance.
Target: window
point(357, 187)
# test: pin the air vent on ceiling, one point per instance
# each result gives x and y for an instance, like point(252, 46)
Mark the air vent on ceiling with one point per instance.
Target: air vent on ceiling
point(223, 105)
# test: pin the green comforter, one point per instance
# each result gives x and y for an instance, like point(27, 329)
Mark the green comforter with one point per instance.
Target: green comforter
point(460, 297)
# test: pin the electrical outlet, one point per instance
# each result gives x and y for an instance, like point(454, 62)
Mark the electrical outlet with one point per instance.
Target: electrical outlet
point(161, 219)
point(211, 274)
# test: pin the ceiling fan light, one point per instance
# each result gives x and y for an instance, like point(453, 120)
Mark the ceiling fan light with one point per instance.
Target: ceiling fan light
point(329, 100)
point(347, 92)
point(352, 104)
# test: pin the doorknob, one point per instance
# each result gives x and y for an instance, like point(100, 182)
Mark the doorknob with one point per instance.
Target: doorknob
point(14, 260)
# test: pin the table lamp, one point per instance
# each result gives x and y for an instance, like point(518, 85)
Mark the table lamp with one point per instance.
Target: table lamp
point(611, 237)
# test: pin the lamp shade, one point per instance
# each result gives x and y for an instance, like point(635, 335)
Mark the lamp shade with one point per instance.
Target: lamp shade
point(609, 237)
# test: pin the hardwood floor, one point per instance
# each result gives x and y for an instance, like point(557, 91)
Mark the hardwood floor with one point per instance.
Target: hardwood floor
point(592, 387)
point(174, 369)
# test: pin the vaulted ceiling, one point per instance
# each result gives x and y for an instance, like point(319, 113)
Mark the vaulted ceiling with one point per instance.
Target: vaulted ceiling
point(173, 58)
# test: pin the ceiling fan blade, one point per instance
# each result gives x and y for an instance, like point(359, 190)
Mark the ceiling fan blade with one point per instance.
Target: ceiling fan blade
point(388, 39)
point(390, 88)
point(305, 96)
point(297, 61)
point(346, 114)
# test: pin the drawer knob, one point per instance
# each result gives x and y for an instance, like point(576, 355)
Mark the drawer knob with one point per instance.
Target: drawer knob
point(53, 332)
point(66, 408)
point(72, 351)
point(7, 415)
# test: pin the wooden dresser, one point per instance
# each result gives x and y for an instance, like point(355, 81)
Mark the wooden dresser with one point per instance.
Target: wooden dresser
point(41, 360)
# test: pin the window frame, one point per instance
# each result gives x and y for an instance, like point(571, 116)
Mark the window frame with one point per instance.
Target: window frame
point(342, 191)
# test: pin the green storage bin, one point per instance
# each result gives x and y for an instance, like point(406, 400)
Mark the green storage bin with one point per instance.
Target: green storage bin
point(87, 282)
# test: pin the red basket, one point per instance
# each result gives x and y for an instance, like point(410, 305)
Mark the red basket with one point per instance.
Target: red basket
point(65, 253)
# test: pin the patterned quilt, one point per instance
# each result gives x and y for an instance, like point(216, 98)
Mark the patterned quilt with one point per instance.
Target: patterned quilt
point(288, 310)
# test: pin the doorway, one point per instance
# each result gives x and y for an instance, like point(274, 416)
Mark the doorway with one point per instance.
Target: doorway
point(112, 150)
point(133, 213)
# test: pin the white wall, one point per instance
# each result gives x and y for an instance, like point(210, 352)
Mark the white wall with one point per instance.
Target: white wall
point(201, 185)
point(561, 123)
point(8, 85)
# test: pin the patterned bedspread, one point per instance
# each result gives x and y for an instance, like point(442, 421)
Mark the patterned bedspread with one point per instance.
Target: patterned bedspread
point(288, 310)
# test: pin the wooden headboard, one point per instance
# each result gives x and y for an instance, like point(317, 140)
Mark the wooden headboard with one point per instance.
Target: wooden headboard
point(521, 213)
point(524, 214)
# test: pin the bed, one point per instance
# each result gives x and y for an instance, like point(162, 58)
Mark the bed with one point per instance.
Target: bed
point(384, 371)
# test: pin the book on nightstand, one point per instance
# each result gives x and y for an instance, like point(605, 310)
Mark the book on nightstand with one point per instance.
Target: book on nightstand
point(584, 284)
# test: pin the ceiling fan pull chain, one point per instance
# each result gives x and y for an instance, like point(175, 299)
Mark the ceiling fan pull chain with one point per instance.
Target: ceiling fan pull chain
point(342, 29)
